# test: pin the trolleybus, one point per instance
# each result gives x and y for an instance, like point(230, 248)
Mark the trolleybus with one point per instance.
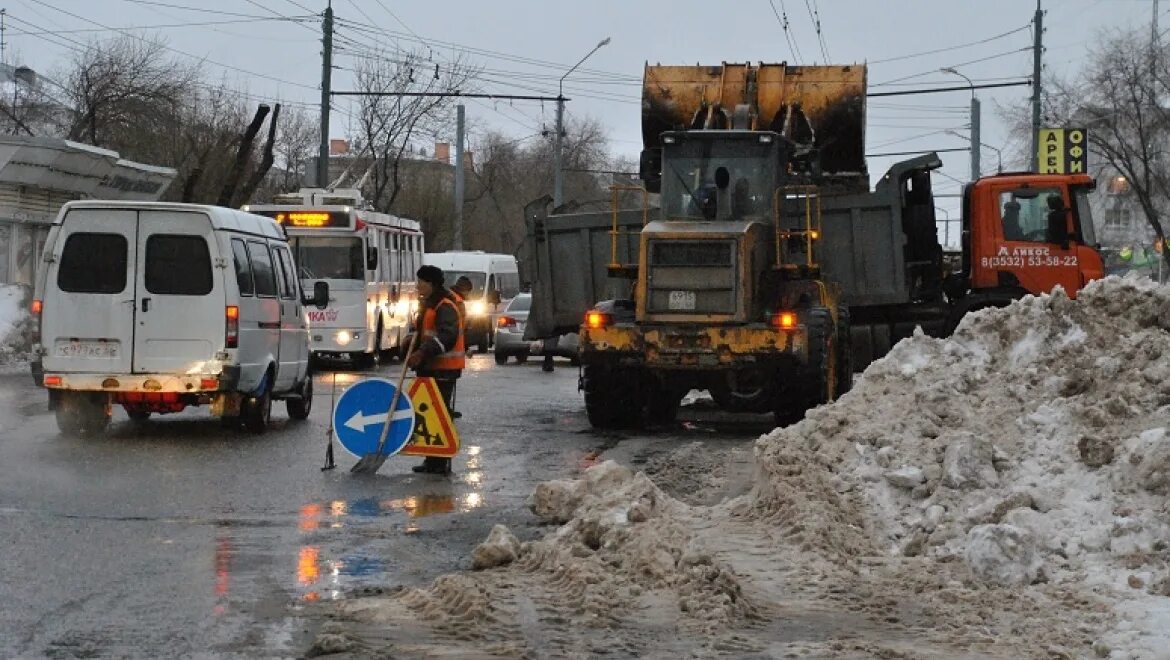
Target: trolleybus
point(369, 260)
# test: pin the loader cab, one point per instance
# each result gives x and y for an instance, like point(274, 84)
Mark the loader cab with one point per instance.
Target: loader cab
point(1030, 233)
point(720, 175)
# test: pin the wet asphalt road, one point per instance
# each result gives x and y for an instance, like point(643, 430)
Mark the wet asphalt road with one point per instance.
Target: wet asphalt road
point(175, 537)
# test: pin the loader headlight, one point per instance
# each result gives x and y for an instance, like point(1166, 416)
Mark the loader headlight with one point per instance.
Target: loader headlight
point(343, 337)
point(477, 308)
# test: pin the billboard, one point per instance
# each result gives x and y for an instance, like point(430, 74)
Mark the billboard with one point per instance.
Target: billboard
point(1063, 151)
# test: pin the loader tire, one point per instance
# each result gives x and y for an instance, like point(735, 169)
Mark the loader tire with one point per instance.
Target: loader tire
point(812, 387)
point(662, 404)
point(612, 399)
point(844, 352)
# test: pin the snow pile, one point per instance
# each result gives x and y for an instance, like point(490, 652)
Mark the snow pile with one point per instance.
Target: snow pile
point(1030, 447)
point(625, 549)
point(15, 324)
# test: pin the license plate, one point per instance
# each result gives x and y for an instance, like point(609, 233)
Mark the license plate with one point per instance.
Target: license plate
point(87, 349)
point(681, 300)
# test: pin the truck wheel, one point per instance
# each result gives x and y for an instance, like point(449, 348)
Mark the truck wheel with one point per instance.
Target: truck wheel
point(844, 352)
point(818, 371)
point(662, 405)
point(299, 407)
point(137, 415)
point(256, 411)
point(612, 399)
point(501, 358)
point(80, 413)
point(814, 377)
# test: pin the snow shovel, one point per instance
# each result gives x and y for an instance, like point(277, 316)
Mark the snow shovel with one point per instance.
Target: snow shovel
point(370, 463)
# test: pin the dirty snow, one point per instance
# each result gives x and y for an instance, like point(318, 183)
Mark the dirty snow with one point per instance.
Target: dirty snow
point(14, 325)
point(1001, 493)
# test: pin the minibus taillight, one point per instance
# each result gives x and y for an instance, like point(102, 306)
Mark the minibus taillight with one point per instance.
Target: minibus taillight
point(36, 308)
point(232, 328)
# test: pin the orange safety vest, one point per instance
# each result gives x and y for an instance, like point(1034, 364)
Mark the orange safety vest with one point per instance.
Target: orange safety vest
point(456, 356)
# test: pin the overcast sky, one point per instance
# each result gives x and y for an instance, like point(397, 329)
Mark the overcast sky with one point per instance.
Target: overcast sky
point(524, 46)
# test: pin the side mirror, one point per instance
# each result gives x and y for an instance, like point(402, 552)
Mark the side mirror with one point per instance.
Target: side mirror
point(372, 258)
point(320, 297)
point(493, 297)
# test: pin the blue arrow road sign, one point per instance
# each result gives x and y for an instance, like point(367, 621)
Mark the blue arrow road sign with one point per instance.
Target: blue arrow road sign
point(361, 413)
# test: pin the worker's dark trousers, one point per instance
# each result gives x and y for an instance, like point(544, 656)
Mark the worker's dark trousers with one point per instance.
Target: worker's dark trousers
point(447, 391)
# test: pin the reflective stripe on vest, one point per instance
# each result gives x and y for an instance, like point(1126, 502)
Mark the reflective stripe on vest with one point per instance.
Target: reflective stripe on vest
point(455, 357)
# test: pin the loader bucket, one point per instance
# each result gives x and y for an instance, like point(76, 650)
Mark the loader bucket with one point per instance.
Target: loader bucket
point(819, 108)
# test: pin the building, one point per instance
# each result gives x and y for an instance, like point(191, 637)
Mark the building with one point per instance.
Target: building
point(40, 174)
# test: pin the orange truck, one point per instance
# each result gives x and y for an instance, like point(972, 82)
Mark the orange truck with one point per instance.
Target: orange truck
point(770, 272)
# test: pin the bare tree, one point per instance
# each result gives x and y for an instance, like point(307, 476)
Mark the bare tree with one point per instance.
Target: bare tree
point(122, 88)
point(1122, 98)
point(510, 173)
point(389, 123)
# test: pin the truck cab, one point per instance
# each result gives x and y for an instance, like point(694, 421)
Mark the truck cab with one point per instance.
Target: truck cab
point(1029, 233)
point(701, 261)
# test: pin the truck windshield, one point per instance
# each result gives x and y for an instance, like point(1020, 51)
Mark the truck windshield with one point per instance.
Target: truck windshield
point(1025, 216)
point(329, 258)
point(688, 178)
point(1085, 228)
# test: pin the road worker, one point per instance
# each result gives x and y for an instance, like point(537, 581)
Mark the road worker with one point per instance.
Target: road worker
point(440, 353)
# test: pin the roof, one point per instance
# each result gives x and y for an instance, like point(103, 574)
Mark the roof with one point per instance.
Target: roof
point(221, 218)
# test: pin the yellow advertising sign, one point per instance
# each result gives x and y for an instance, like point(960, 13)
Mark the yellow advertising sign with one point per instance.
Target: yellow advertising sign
point(1063, 151)
point(434, 432)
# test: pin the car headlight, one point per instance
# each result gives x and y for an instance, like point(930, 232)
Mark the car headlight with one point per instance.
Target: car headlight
point(477, 308)
point(343, 337)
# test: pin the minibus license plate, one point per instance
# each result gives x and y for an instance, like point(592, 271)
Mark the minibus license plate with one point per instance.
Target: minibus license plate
point(87, 349)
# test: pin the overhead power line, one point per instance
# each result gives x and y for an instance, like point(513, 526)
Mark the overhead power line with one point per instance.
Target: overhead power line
point(959, 64)
point(163, 26)
point(783, 21)
point(202, 10)
point(174, 50)
point(815, 16)
point(948, 49)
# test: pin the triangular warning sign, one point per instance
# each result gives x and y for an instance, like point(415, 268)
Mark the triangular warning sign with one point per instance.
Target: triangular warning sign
point(434, 433)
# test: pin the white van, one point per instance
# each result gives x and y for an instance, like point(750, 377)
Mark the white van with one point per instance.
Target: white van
point(495, 280)
point(158, 306)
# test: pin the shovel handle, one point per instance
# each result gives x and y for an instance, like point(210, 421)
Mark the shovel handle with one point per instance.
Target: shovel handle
point(397, 393)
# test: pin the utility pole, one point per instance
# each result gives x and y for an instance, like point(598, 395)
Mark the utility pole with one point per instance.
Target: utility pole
point(1037, 52)
point(559, 181)
point(976, 171)
point(457, 242)
point(326, 84)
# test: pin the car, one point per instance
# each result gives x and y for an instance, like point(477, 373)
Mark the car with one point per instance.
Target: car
point(509, 338)
point(159, 306)
point(494, 279)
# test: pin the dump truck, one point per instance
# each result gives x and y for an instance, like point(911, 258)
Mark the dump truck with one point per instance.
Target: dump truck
point(769, 271)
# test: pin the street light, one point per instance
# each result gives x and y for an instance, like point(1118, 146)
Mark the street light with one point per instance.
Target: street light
point(975, 171)
point(559, 182)
point(998, 153)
